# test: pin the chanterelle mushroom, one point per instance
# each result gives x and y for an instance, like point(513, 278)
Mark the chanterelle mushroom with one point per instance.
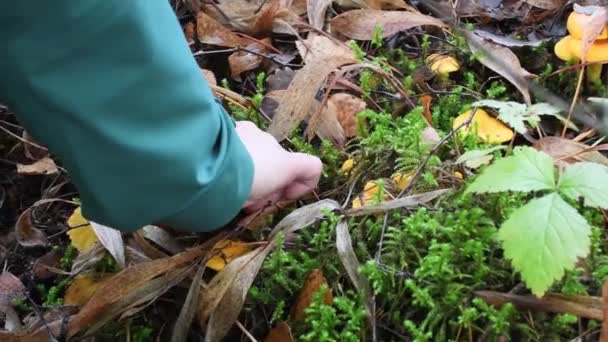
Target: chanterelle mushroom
point(570, 48)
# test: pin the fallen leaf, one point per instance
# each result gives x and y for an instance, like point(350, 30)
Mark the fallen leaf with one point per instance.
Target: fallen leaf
point(593, 26)
point(280, 333)
point(84, 287)
point(209, 31)
point(81, 233)
point(566, 151)
point(317, 47)
point(361, 24)
point(225, 294)
point(312, 285)
point(190, 32)
point(186, 315)
point(299, 98)
point(508, 41)
point(303, 217)
point(129, 286)
point(502, 61)
point(42, 267)
point(411, 201)
point(227, 250)
point(488, 128)
point(280, 79)
point(252, 17)
point(87, 260)
point(316, 12)
point(26, 234)
point(476, 158)
point(545, 4)
point(44, 166)
point(30, 148)
point(162, 238)
point(426, 105)
point(346, 107)
point(350, 262)
point(111, 239)
point(242, 61)
point(326, 125)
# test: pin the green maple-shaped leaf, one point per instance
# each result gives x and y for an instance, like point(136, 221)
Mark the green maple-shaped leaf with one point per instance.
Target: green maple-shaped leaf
point(526, 170)
point(587, 180)
point(543, 239)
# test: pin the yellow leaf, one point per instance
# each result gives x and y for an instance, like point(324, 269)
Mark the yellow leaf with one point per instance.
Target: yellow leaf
point(83, 288)
point(402, 180)
point(489, 129)
point(229, 251)
point(347, 165)
point(83, 236)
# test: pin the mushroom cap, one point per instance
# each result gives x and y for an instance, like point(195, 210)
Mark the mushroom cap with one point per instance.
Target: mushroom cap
point(489, 129)
point(576, 25)
point(569, 48)
point(442, 64)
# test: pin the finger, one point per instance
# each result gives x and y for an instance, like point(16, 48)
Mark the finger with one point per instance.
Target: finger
point(305, 174)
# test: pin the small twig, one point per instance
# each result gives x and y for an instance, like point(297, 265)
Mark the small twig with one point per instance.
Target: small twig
point(21, 139)
point(574, 99)
point(247, 333)
point(418, 172)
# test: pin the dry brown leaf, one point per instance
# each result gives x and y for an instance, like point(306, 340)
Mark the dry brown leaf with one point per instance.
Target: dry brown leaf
point(502, 61)
point(403, 202)
point(190, 32)
point(316, 12)
point(162, 238)
point(312, 285)
point(223, 298)
point(566, 151)
point(242, 61)
point(29, 147)
point(280, 79)
point(375, 4)
point(186, 315)
point(347, 108)
point(316, 47)
point(327, 125)
point(209, 31)
point(592, 29)
point(26, 234)
point(44, 166)
point(303, 217)
point(111, 239)
point(252, 17)
point(43, 266)
point(210, 77)
point(84, 287)
point(545, 4)
point(299, 99)
point(86, 261)
point(280, 333)
point(361, 24)
point(426, 105)
point(124, 284)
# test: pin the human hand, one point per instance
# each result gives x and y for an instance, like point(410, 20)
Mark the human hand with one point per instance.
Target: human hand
point(279, 175)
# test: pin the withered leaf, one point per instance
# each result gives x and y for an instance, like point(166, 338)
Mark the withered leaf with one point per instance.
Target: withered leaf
point(84, 287)
point(403, 202)
point(44, 166)
point(316, 47)
point(186, 315)
point(316, 12)
point(112, 240)
point(361, 24)
point(280, 333)
point(242, 61)
point(312, 285)
point(209, 31)
point(502, 61)
point(42, 267)
point(26, 234)
point(566, 151)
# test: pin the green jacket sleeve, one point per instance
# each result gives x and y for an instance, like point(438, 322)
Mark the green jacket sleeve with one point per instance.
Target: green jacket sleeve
point(110, 86)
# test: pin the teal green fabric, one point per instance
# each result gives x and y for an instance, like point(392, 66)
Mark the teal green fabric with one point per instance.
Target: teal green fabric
point(110, 86)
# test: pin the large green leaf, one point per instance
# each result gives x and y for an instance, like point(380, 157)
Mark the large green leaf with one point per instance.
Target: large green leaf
point(543, 239)
point(526, 170)
point(587, 180)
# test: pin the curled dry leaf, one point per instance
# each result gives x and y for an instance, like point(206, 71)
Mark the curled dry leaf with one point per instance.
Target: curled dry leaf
point(316, 12)
point(84, 287)
point(566, 151)
point(252, 17)
point(313, 283)
point(112, 240)
point(502, 61)
point(242, 61)
point(43, 266)
point(190, 32)
point(316, 47)
point(162, 238)
point(303, 217)
point(508, 41)
point(186, 315)
point(209, 31)
point(346, 107)
point(361, 24)
point(280, 333)
point(26, 234)
point(44, 166)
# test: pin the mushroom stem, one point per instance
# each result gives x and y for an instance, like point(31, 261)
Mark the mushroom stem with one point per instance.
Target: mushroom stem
point(594, 71)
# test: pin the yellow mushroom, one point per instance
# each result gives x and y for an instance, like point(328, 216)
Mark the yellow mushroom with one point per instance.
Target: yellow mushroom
point(347, 166)
point(489, 129)
point(570, 48)
point(402, 180)
point(576, 25)
point(442, 65)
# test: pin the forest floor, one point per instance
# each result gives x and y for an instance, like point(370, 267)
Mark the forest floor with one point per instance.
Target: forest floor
point(463, 194)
